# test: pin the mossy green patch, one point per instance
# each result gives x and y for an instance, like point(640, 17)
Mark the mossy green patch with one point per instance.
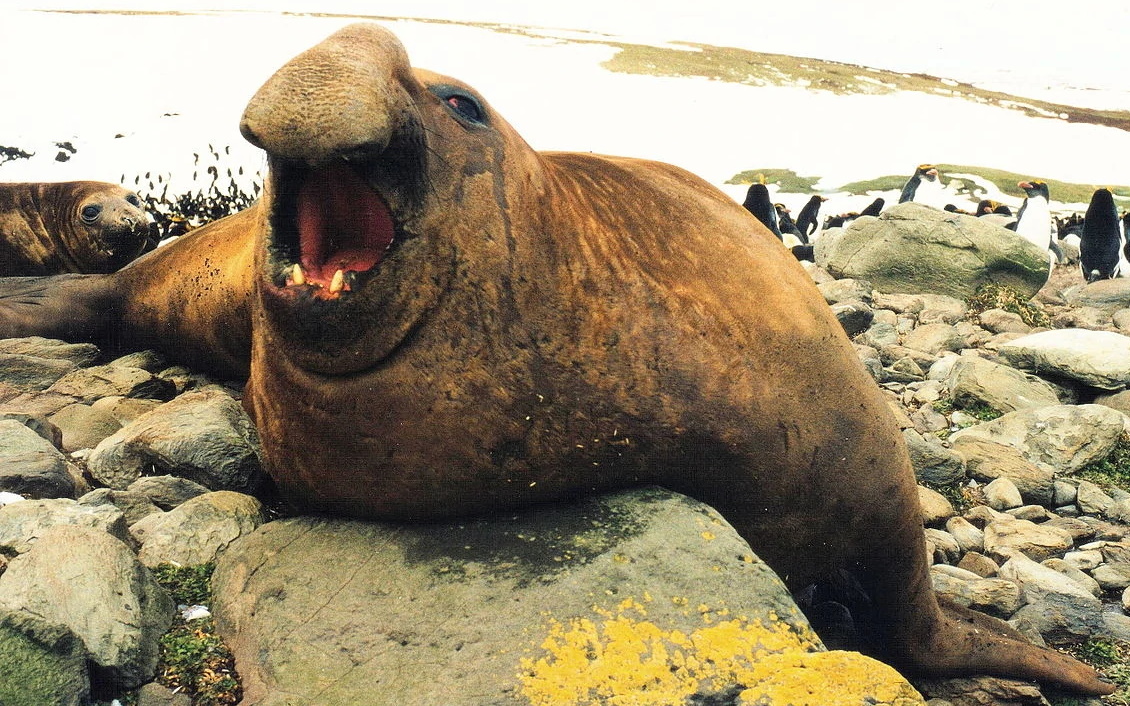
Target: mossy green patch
point(40, 662)
point(787, 179)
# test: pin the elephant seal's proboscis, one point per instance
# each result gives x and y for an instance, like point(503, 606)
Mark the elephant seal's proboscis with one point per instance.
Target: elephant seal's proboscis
point(437, 320)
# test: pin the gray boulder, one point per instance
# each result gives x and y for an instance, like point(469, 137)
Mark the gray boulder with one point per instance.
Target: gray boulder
point(30, 465)
point(23, 523)
point(93, 584)
point(89, 384)
point(1005, 538)
point(196, 531)
point(27, 372)
point(80, 354)
point(1065, 437)
point(1002, 494)
point(988, 460)
point(936, 508)
point(949, 309)
point(839, 290)
point(1075, 574)
point(996, 597)
point(915, 248)
point(83, 427)
point(932, 462)
point(934, 339)
point(854, 316)
point(1061, 609)
point(976, 380)
point(522, 607)
point(1097, 358)
point(1110, 294)
point(166, 492)
point(204, 436)
point(1001, 321)
point(134, 506)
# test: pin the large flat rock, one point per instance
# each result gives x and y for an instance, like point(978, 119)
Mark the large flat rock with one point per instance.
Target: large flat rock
point(620, 597)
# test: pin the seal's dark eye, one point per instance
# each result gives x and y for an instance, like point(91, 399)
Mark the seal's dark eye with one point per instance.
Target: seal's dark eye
point(466, 106)
point(90, 213)
point(132, 200)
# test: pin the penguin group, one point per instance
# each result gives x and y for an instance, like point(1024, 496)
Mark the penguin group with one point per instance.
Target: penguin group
point(1099, 237)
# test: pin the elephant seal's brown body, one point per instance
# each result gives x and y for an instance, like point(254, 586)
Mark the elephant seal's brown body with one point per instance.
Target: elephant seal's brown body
point(70, 226)
point(510, 327)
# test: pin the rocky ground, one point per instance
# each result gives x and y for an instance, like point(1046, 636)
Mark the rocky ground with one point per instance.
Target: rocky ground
point(1014, 415)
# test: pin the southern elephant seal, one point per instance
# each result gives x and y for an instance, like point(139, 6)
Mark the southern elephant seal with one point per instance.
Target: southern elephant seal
point(70, 226)
point(443, 321)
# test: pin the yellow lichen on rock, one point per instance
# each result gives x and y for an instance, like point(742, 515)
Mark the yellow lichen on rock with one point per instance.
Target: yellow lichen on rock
point(624, 659)
point(826, 679)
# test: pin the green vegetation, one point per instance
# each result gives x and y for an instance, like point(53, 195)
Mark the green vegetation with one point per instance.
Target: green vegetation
point(1112, 471)
point(978, 410)
point(762, 69)
point(1006, 181)
point(1110, 657)
point(1066, 192)
point(997, 296)
point(194, 658)
point(883, 183)
point(787, 179)
point(188, 585)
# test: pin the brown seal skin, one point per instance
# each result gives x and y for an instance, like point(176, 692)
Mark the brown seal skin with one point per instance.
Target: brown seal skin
point(70, 226)
point(511, 327)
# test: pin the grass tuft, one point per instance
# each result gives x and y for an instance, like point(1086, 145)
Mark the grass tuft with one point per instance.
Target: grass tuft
point(194, 659)
point(998, 296)
point(1112, 471)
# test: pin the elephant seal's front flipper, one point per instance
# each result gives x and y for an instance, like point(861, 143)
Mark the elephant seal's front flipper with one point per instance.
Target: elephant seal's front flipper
point(69, 307)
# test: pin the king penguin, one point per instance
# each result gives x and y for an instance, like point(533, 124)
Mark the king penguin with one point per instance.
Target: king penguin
point(1100, 243)
point(924, 187)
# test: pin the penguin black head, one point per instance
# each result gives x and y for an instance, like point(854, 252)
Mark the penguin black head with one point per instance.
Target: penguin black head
point(1034, 188)
point(926, 171)
point(758, 203)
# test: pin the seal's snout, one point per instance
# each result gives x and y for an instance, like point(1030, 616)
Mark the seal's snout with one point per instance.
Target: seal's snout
point(342, 97)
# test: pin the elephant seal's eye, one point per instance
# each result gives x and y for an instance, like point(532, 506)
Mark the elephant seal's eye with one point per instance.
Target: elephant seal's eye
point(133, 200)
point(462, 105)
point(90, 213)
